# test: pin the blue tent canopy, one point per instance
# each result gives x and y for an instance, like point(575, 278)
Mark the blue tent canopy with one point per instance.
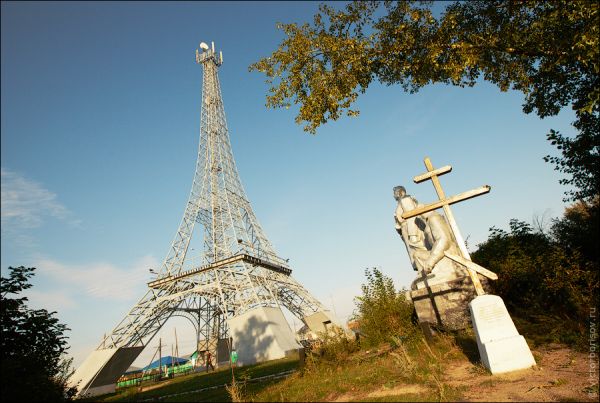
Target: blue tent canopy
point(168, 361)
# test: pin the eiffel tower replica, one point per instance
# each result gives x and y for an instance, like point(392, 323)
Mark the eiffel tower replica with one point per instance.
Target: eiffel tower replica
point(233, 290)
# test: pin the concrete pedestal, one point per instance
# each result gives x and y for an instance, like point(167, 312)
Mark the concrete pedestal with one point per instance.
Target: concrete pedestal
point(98, 374)
point(320, 322)
point(444, 305)
point(501, 347)
point(261, 334)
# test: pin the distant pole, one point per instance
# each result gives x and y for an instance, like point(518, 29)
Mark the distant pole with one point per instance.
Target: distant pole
point(333, 305)
point(159, 358)
point(176, 347)
point(198, 332)
point(176, 343)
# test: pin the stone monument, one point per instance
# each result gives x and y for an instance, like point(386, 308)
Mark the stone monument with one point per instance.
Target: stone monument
point(501, 347)
point(449, 290)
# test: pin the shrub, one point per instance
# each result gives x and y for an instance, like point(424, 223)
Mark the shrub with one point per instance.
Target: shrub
point(334, 346)
point(548, 280)
point(383, 313)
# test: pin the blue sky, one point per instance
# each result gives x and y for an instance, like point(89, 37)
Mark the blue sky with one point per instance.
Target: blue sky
point(99, 130)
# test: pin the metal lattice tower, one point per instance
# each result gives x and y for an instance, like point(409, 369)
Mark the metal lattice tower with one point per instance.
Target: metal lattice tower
point(237, 268)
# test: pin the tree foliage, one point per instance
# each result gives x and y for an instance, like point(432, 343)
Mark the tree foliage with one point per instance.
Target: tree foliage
point(548, 277)
point(32, 346)
point(580, 158)
point(383, 313)
point(548, 50)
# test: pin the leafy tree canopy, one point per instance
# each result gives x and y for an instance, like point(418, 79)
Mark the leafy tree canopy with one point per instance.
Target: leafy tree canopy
point(547, 50)
point(32, 346)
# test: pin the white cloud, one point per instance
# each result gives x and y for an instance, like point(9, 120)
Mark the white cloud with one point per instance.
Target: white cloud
point(88, 297)
point(25, 203)
point(51, 300)
point(101, 280)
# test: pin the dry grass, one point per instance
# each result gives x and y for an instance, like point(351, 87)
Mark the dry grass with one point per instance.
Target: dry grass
point(236, 390)
point(403, 372)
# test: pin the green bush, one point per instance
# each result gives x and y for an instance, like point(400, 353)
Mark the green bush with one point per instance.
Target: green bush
point(333, 347)
point(383, 313)
point(549, 280)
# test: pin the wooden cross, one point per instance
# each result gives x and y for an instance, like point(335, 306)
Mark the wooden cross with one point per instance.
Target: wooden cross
point(444, 202)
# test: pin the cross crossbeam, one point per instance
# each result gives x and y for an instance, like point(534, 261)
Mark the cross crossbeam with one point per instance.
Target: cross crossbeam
point(450, 200)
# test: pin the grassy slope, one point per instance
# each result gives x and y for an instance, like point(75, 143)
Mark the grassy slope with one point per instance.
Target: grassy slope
point(353, 374)
point(447, 370)
point(193, 382)
point(366, 374)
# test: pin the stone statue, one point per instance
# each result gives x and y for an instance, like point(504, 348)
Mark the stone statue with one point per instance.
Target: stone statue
point(448, 280)
point(426, 237)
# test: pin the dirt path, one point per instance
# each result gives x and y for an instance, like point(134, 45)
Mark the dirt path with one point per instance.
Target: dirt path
point(561, 375)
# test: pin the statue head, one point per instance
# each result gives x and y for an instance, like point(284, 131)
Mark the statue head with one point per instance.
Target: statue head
point(399, 192)
point(405, 203)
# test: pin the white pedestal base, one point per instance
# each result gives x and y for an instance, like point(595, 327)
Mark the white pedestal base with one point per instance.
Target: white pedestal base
point(261, 334)
point(501, 347)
